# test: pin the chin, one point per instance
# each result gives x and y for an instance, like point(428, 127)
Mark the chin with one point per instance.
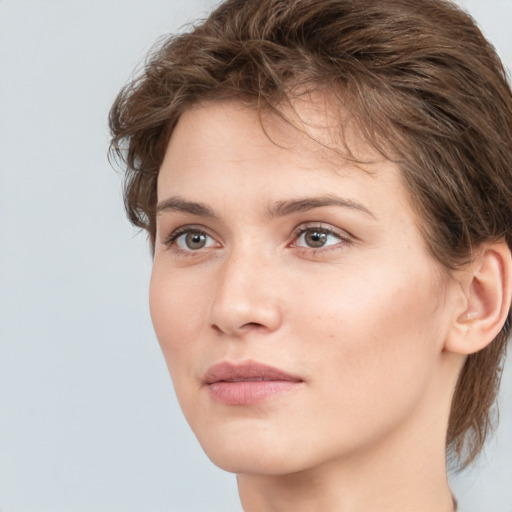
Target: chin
point(255, 462)
point(252, 453)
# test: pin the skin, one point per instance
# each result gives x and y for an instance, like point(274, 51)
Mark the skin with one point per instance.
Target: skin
point(362, 320)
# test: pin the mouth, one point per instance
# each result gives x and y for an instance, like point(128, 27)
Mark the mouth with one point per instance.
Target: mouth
point(248, 383)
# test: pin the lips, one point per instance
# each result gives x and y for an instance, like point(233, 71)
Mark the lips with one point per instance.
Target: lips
point(248, 383)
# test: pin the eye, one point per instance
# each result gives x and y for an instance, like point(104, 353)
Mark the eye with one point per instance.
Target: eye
point(189, 239)
point(192, 240)
point(317, 237)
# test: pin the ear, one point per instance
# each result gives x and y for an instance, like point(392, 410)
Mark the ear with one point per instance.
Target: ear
point(486, 286)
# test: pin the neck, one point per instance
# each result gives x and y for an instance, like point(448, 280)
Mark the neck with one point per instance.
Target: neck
point(358, 485)
point(404, 470)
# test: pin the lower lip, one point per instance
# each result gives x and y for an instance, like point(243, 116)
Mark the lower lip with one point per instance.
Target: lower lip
point(249, 392)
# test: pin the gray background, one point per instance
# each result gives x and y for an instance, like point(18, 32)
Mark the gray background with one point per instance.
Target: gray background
point(88, 418)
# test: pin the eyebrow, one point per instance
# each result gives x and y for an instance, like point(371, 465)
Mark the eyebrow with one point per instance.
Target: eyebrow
point(283, 208)
point(277, 209)
point(177, 204)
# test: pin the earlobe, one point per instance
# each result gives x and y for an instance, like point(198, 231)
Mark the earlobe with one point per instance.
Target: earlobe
point(487, 285)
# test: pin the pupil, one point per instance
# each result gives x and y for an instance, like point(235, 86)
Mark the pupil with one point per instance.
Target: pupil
point(195, 240)
point(316, 238)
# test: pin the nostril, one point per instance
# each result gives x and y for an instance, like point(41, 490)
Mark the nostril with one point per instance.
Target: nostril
point(243, 313)
point(249, 326)
point(217, 329)
point(252, 325)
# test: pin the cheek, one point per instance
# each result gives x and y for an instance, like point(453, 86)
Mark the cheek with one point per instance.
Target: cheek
point(376, 337)
point(177, 317)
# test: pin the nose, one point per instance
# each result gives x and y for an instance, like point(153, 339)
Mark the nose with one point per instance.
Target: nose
point(246, 298)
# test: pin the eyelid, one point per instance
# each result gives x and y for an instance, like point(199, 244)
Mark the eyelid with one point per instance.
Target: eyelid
point(169, 240)
point(344, 236)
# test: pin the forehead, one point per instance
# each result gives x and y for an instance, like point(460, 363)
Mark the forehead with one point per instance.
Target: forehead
point(313, 127)
point(237, 160)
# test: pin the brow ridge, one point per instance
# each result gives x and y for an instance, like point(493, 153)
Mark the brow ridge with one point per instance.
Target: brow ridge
point(178, 204)
point(283, 208)
point(277, 209)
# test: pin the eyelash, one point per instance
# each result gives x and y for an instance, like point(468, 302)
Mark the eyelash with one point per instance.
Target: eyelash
point(344, 238)
point(170, 241)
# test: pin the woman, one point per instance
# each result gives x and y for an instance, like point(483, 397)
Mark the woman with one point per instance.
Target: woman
point(325, 188)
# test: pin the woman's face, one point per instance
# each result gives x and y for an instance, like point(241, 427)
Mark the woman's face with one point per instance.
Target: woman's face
point(300, 314)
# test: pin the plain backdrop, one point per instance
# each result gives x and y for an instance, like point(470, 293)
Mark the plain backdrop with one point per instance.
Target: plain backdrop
point(88, 417)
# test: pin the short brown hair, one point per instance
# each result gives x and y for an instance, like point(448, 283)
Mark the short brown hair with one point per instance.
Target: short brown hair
point(424, 86)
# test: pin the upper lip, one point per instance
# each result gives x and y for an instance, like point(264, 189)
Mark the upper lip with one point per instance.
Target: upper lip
point(247, 371)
